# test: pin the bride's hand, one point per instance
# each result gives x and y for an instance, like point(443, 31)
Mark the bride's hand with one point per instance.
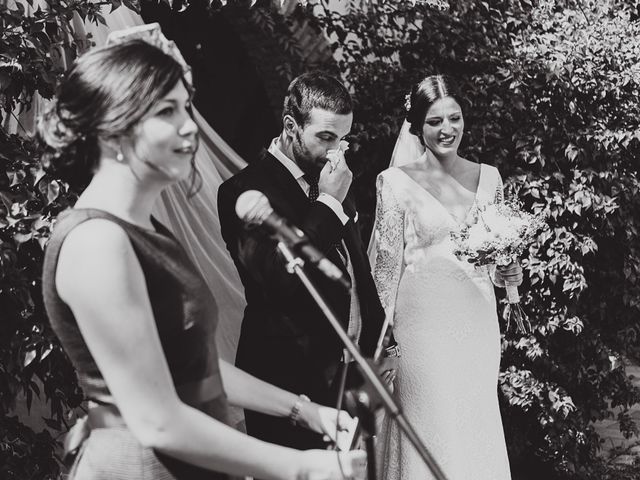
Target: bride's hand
point(330, 465)
point(387, 369)
point(511, 274)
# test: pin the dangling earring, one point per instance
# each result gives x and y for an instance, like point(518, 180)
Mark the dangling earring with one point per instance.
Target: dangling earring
point(119, 157)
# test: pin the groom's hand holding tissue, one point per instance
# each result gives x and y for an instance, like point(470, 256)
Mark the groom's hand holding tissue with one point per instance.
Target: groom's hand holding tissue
point(335, 177)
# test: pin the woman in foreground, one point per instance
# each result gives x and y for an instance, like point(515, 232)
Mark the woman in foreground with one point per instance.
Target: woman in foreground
point(135, 318)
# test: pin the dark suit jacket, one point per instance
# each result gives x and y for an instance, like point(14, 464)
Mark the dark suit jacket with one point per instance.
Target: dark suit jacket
point(285, 339)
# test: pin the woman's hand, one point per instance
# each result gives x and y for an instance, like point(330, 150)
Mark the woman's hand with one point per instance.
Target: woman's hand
point(509, 274)
point(329, 465)
point(387, 369)
point(324, 420)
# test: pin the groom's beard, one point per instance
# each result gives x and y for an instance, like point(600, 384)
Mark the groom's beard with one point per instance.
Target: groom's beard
point(304, 158)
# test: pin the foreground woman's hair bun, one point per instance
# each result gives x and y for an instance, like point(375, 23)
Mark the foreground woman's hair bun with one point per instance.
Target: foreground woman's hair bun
point(103, 96)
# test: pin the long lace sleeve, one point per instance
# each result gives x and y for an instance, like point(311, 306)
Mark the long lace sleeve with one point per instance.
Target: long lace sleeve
point(388, 235)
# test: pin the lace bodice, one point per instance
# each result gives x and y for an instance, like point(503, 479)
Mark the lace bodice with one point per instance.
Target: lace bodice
point(412, 228)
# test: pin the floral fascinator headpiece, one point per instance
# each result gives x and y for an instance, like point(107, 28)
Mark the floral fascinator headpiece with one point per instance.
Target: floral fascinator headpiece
point(407, 102)
point(153, 35)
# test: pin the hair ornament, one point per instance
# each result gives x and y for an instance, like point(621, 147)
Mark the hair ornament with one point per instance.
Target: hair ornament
point(152, 34)
point(407, 102)
point(55, 132)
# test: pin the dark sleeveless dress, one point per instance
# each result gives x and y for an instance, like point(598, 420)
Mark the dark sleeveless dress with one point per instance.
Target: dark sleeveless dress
point(185, 314)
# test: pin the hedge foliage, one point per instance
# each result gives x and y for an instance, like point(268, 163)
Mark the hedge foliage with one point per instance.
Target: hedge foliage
point(551, 99)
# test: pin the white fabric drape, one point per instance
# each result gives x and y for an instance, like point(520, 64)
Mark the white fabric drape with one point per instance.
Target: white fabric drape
point(408, 148)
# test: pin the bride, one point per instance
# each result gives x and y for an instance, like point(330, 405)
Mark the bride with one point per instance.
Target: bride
point(443, 310)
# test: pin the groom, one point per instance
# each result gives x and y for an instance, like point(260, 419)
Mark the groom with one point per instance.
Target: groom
point(285, 339)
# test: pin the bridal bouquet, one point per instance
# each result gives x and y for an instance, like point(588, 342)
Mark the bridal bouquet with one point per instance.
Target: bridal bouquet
point(499, 236)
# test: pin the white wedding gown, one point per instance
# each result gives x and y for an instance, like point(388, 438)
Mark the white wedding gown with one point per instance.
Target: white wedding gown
point(445, 322)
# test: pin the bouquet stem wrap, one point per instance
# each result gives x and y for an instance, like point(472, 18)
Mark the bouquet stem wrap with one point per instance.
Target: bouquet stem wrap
point(513, 296)
point(513, 310)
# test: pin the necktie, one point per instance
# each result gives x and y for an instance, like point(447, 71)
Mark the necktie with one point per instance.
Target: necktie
point(314, 192)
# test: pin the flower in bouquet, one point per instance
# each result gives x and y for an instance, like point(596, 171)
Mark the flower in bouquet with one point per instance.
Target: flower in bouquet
point(498, 236)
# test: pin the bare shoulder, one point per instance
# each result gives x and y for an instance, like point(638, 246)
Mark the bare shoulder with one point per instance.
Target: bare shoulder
point(416, 171)
point(468, 173)
point(469, 167)
point(92, 249)
point(96, 235)
point(392, 173)
point(414, 168)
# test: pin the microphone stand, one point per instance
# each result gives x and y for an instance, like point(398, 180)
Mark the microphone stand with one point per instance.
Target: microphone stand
point(294, 266)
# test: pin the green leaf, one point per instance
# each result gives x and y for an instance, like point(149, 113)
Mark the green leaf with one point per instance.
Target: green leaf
point(39, 174)
point(29, 357)
point(53, 191)
point(51, 423)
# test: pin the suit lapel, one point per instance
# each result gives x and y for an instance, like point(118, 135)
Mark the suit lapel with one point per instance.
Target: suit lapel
point(288, 194)
point(367, 294)
point(353, 243)
point(292, 203)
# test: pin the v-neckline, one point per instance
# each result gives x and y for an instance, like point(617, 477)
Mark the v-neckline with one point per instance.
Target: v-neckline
point(445, 209)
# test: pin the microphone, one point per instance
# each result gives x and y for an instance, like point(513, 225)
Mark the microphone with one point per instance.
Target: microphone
point(254, 208)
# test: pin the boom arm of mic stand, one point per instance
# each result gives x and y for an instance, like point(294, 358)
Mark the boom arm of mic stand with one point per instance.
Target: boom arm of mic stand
point(383, 336)
point(294, 266)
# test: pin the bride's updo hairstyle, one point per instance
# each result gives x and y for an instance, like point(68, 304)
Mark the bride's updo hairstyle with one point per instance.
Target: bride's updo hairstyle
point(423, 95)
point(105, 94)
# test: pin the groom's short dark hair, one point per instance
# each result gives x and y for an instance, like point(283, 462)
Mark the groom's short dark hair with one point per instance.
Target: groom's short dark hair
point(316, 90)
